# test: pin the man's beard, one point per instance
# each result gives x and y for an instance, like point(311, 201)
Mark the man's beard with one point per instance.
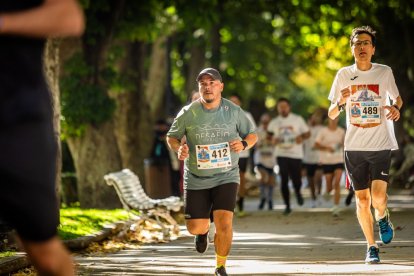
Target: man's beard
point(209, 100)
point(284, 114)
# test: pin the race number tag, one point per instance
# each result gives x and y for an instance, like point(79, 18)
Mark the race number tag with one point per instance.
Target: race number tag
point(287, 137)
point(213, 156)
point(365, 112)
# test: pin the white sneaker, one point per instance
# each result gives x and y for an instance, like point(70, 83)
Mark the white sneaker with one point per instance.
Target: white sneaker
point(327, 197)
point(319, 200)
point(336, 210)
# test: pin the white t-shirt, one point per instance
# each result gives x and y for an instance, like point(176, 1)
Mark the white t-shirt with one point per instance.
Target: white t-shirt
point(311, 154)
point(245, 153)
point(333, 139)
point(287, 129)
point(371, 90)
point(264, 153)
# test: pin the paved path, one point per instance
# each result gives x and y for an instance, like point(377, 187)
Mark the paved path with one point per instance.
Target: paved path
point(310, 241)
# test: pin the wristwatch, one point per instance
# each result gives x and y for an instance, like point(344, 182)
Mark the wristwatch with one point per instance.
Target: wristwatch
point(245, 145)
point(396, 106)
point(341, 107)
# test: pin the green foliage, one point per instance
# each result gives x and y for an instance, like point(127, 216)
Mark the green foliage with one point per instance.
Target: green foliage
point(84, 102)
point(76, 222)
point(267, 49)
point(143, 22)
point(5, 254)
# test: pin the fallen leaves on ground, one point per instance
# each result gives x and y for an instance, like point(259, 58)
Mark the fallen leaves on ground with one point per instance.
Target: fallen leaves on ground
point(28, 271)
point(142, 231)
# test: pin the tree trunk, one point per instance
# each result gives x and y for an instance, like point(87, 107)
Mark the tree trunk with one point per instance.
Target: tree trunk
point(155, 88)
point(137, 109)
point(195, 65)
point(52, 70)
point(96, 154)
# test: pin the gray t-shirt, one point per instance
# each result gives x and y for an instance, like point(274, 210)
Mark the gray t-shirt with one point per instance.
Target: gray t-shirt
point(208, 132)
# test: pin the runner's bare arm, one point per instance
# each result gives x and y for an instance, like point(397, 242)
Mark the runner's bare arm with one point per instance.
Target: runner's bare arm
point(182, 150)
point(303, 136)
point(334, 109)
point(237, 145)
point(53, 18)
point(394, 109)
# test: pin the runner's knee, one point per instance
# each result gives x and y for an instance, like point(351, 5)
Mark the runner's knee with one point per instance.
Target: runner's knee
point(197, 227)
point(363, 201)
point(378, 200)
point(224, 226)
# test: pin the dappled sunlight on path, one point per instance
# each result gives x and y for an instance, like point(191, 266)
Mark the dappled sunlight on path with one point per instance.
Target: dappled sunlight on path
point(307, 242)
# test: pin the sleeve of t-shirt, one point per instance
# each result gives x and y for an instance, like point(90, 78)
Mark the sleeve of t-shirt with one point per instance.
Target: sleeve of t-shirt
point(392, 86)
point(177, 129)
point(335, 88)
point(245, 125)
point(342, 133)
point(303, 127)
point(272, 127)
point(319, 136)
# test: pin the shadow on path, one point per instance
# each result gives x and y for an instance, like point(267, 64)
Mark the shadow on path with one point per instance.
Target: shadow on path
point(307, 242)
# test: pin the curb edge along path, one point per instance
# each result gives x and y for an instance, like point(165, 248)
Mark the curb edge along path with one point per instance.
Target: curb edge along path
point(19, 261)
point(307, 242)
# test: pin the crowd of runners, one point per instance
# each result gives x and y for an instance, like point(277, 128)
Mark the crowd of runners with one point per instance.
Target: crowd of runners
point(218, 131)
point(218, 134)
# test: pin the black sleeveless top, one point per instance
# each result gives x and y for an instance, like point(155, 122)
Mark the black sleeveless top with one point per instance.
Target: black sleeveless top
point(23, 89)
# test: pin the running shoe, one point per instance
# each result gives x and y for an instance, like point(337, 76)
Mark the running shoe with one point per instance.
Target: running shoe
point(372, 255)
point(386, 229)
point(201, 243)
point(241, 214)
point(262, 203)
point(299, 199)
point(287, 211)
point(327, 196)
point(220, 271)
point(270, 205)
point(336, 210)
point(348, 199)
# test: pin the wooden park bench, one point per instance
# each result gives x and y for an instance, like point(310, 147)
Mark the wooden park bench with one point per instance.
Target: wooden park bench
point(135, 200)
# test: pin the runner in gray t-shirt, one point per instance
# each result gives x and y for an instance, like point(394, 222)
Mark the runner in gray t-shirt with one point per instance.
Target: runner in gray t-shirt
point(216, 132)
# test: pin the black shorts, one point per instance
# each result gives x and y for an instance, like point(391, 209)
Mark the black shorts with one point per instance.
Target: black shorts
point(28, 197)
point(330, 168)
point(200, 203)
point(243, 164)
point(268, 170)
point(311, 169)
point(364, 166)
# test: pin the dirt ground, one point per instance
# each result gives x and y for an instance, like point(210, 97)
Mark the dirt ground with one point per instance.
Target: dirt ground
point(310, 241)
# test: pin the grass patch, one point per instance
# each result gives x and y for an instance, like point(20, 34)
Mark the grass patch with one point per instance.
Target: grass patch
point(5, 254)
point(76, 222)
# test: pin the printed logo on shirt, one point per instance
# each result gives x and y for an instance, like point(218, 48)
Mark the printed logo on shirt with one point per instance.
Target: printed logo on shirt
point(353, 78)
point(365, 105)
point(287, 137)
point(212, 133)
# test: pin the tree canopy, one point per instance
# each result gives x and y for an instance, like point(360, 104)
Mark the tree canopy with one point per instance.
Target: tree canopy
point(137, 62)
